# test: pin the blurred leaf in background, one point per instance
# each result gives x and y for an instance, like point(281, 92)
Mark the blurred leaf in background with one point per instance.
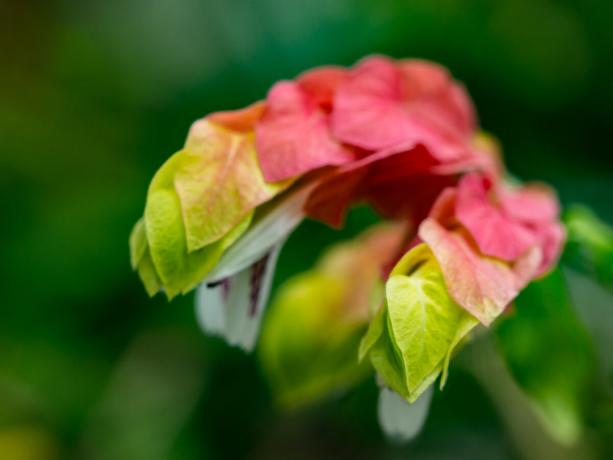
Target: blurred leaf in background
point(309, 344)
point(550, 355)
point(590, 244)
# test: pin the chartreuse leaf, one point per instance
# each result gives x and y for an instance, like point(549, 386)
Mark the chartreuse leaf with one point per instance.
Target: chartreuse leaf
point(218, 180)
point(550, 354)
point(140, 259)
point(138, 243)
point(310, 340)
point(410, 340)
point(309, 344)
point(590, 244)
point(178, 269)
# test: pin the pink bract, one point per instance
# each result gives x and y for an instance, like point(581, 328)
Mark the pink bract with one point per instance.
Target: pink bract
point(382, 104)
point(293, 136)
point(482, 286)
point(507, 221)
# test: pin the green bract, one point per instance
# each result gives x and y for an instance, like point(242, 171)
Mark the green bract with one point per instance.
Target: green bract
point(310, 339)
point(218, 181)
point(140, 259)
point(199, 203)
point(413, 335)
point(178, 269)
point(309, 342)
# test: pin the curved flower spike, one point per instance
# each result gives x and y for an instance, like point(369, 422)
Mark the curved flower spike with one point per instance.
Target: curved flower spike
point(396, 135)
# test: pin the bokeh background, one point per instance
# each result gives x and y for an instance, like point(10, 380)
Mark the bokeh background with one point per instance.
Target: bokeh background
point(95, 95)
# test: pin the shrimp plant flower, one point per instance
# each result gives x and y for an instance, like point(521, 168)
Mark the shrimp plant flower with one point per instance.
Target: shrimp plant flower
point(400, 136)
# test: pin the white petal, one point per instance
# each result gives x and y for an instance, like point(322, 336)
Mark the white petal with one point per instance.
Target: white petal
point(210, 307)
point(267, 232)
point(399, 420)
point(233, 307)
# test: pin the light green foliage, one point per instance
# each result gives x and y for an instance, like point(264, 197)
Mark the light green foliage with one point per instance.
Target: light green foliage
point(590, 244)
point(550, 354)
point(169, 259)
point(411, 338)
point(199, 202)
point(309, 342)
point(218, 181)
point(140, 259)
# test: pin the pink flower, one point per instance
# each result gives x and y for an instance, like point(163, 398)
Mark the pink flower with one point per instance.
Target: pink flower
point(491, 240)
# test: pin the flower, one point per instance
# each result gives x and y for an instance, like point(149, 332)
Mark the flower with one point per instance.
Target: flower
point(401, 136)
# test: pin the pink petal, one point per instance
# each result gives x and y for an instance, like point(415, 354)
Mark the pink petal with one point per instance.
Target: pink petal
point(367, 107)
point(396, 181)
point(330, 200)
point(320, 85)
point(531, 204)
point(496, 234)
point(484, 287)
point(443, 210)
point(376, 107)
point(293, 137)
point(430, 91)
point(552, 237)
point(410, 198)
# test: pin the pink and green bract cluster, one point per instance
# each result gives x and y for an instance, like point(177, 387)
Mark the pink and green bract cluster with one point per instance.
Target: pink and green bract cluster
point(401, 136)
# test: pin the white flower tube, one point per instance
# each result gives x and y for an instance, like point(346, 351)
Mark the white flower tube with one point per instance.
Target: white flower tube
point(399, 420)
point(231, 302)
point(233, 307)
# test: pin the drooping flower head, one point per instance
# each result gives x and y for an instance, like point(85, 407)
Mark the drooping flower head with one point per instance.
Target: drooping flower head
point(400, 136)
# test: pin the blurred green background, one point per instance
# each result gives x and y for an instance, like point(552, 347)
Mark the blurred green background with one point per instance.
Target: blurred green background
point(95, 95)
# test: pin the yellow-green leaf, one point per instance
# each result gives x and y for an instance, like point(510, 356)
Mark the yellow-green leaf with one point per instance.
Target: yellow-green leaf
point(218, 181)
point(140, 259)
point(308, 345)
point(148, 275)
point(419, 327)
point(179, 269)
point(311, 337)
point(138, 243)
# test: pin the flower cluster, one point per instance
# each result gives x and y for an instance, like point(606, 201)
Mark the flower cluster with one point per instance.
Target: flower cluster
point(401, 136)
